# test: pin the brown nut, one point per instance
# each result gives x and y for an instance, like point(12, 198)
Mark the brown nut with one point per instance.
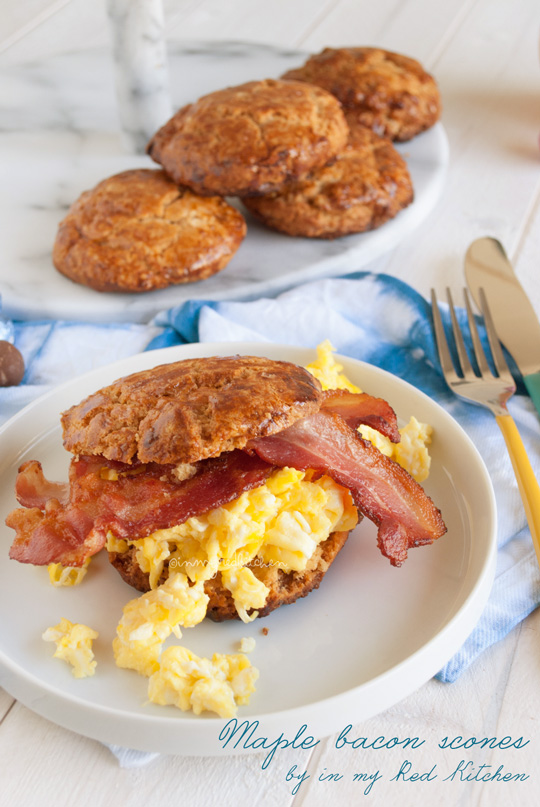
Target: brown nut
point(11, 365)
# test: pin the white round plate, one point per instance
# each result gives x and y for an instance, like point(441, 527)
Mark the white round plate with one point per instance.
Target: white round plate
point(59, 136)
point(369, 636)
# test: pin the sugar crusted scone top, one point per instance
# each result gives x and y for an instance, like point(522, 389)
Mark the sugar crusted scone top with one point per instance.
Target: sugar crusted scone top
point(251, 138)
point(190, 410)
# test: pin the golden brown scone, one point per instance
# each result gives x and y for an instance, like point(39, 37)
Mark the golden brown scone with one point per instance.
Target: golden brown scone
point(390, 93)
point(285, 587)
point(190, 410)
point(251, 138)
point(368, 184)
point(138, 231)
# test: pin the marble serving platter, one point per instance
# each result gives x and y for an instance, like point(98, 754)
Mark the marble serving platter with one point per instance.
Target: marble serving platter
point(60, 135)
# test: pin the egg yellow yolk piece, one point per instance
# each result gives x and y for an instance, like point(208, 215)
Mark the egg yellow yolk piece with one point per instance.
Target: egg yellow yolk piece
point(149, 620)
point(216, 685)
point(74, 645)
point(60, 575)
point(328, 371)
point(247, 591)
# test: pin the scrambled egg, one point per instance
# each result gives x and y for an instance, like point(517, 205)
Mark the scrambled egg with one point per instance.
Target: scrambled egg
point(148, 620)
point(279, 524)
point(190, 682)
point(67, 575)
point(74, 645)
point(326, 369)
point(411, 452)
point(247, 644)
point(176, 675)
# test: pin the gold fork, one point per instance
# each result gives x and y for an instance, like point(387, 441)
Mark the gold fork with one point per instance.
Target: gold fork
point(491, 391)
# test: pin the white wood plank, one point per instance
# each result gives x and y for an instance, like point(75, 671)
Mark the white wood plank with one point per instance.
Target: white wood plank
point(525, 255)
point(488, 75)
point(35, 29)
point(416, 28)
point(76, 25)
point(280, 22)
point(6, 703)
point(470, 707)
point(81, 25)
point(519, 716)
point(43, 764)
point(18, 19)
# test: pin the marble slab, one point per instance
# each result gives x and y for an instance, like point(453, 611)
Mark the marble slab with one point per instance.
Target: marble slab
point(60, 135)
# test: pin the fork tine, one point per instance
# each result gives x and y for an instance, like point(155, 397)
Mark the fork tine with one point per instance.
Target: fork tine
point(479, 353)
point(466, 366)
point(494, 343)
point(445, 358)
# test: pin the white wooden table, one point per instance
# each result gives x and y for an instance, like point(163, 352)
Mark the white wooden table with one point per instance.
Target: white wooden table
point(484, 54)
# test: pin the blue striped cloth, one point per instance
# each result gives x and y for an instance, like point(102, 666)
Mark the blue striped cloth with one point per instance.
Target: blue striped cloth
point(375, 318)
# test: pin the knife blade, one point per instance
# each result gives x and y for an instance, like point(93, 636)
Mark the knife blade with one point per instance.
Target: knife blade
point(487, 266)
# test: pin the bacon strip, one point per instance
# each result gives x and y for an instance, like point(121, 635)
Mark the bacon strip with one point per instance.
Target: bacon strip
point(56, 534)
point(33, 490)
point(382, 490)
point(133, 506)
point(357, 408)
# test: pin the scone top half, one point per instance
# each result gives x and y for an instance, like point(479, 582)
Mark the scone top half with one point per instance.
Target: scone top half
point(190, 410)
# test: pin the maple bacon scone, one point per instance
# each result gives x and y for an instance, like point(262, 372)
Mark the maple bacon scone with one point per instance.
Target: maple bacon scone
point(234, 479)
point(386, 91)
point(368, 184)
point(252, 138)
point(138, 231)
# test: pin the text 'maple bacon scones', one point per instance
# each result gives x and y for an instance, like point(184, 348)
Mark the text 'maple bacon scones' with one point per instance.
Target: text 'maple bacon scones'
point(238, 473)
point(252, 138)
point(366, 185)
point(138, 231)
point(388, 92)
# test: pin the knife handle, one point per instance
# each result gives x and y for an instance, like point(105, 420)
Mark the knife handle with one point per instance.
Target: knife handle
point(527, 484)
point(532, 382)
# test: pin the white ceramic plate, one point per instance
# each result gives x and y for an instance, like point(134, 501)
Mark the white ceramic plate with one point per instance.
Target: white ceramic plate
point(368, 637)
point(59, 136)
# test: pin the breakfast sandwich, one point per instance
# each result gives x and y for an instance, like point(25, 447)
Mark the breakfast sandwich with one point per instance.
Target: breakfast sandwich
point(232, 481)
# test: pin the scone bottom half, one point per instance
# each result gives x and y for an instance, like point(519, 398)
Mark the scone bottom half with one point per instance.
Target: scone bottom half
point(285, 587)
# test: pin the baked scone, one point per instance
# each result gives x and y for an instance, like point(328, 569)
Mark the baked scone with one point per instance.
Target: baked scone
point(190, 410)
point(138, 231)
point(388, 92)
point(368, 184)
point(250, 139)
point(285, 587)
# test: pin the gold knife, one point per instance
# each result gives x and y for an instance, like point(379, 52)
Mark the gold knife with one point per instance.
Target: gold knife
point(487, 266)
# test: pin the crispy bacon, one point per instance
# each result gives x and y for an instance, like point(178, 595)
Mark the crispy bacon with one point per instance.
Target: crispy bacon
point(67, 523)
point(33, 490)
point(382, 490)
point(55, 534)
point(140, 501)
point(358, 408)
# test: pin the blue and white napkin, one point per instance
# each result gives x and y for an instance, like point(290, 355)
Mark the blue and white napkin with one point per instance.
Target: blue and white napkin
point(371, 317)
